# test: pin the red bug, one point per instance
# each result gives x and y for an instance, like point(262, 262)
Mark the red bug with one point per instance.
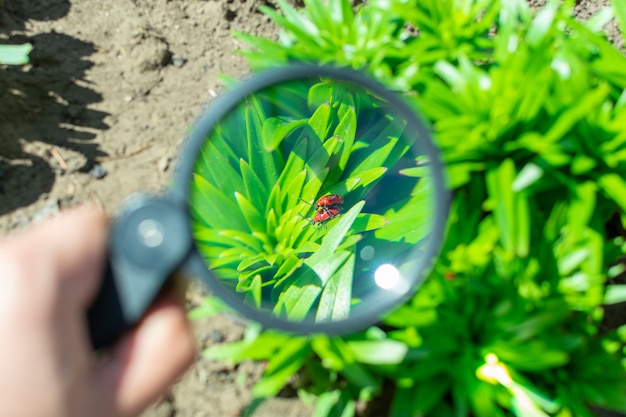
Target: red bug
point(325, 214)
point(329, 200)
point(329, 207)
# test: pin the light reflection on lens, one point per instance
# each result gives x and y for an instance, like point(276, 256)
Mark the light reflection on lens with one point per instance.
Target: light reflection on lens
point(367, 253)
point(387, 277)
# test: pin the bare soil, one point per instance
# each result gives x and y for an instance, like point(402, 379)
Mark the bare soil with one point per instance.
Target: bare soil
point(114, 86)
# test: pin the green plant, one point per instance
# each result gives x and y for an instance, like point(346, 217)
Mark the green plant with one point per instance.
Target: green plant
point(529, 109)
point(15, 54)
point(270, 158)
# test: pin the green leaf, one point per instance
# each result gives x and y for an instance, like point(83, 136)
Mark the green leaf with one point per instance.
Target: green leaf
point(320, 121)
point(529, 175)
point(334, 404)
point(260, 161)
point(210, 205)
point(282, 366)
point(614, 185)
point(337, 294)
point(276, 130)
point(419, 399)
point(542, 23)
point(511, 209)
point(368, 222)
point(319, 261)
point(255, 219)
point(15, 54)
point(572, 115)
point(255, 189)
point(615, 294)
point(296, 301)
point(217, 169)
point(375, 154)
point(378, 352)
point(210, 307)
point(346, 130)
point(620, 14)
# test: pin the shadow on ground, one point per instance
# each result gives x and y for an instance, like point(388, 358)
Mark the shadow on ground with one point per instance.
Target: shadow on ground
point(45, 105)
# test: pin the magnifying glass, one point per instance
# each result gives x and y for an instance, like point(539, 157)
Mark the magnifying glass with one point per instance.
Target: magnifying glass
point(310, 199)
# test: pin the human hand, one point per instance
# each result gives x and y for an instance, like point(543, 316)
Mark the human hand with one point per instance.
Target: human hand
point(48, 277)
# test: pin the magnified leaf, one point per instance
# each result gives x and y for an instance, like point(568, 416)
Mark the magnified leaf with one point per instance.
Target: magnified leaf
point(337, 295)
point(275, 131)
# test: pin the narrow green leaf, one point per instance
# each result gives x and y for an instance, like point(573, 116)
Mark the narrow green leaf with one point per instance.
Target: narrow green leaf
point(542, 23)
point(294, 165)
point(250, 261)
point(243, 237)
point(282, 366)
point(378, 352)
point(215, 168)
point(330, 242)
point(262, 162)
point(346, 130)
point(613, 184)
point(291, 196)
point(337, 294)
point(572, 115)
point(334, 404)
point(619, 7)
point(530, 174)
point(256, 191)
point(276, 130)
point(15, 54)
point(320, 17)
point(304, 27)
point(256, 222)
point(615, 294)
point(210, 307)
point(297, 299)
point(511, 209)
point(375, 154)
point(213, 207)
point(367, 222)
point(320, 121)
point(421, 398)
point(597, 22)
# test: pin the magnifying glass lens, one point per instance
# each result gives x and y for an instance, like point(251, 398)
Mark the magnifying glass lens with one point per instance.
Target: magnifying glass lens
point(312, 200)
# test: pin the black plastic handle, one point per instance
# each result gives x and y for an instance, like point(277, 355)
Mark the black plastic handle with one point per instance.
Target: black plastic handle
point(148, 242)
point(105, 318)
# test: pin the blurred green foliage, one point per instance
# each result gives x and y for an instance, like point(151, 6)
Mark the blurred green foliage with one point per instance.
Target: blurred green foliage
point(529, 109)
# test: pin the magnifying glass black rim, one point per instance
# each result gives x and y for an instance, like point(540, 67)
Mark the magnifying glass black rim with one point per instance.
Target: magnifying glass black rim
point(220, 107)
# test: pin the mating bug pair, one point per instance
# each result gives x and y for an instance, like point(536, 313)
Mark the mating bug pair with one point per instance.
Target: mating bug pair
point(328, 207)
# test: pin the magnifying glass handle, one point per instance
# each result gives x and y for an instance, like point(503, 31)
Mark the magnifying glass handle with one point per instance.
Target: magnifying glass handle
point(105, 318)
point(149, 241)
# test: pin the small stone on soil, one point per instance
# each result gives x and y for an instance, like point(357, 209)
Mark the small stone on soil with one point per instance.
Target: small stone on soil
point(49, 209)
point(217, 336)
point(68, 200)
point(178, 61)
point(98, 172)
point(163, 163)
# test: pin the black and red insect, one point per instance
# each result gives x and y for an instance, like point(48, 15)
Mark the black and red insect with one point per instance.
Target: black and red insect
point(329, 200)
point(328, 207)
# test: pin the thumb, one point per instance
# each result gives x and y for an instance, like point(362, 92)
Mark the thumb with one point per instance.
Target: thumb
point(147, 361)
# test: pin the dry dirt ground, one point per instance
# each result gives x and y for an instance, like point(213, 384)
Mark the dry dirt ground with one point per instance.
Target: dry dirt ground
point(115, 85)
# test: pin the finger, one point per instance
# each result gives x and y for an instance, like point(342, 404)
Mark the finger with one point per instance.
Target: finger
point(147, 361)
point(74, 245)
